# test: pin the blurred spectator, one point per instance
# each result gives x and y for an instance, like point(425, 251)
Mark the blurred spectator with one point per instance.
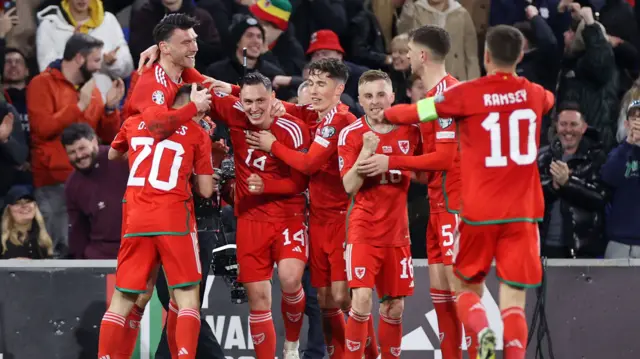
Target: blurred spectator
point(8, 20)
point(309, 17)
point(400, 68)
point(93, 193)
point(325, 44)
point(63, 94)
point(247, 33)
point(14, 81)
point(304, 96)
point(462, 60)
point(588, 75)
point(574, 195)
point(281, 46)
point(632, 95)
point(13, 150)
point(479, 12)
point(59, 22)
point(415, 90)
point(22, 37)
point(24, 235)
point(364, 40)
point(221, 12)
point(541, 62)
point(143, 21)
point(622, 173)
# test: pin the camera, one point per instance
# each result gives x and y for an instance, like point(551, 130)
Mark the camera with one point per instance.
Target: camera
point(225, 265)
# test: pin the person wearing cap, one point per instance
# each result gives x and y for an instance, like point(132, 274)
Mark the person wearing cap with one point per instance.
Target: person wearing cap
point(14, 150)
point(283, 48)
point(24, 235)
point(246, 32)
point(621, 173)
point(326, 44)
point(574, 194)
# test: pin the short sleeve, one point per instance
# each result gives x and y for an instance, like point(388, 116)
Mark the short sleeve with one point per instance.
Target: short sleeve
point(203, 158)
point(348, 150)
point(120, 142)
point(549, 101)
point(449, 104)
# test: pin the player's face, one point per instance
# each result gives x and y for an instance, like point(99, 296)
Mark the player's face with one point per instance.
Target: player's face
point(181, 47)
point(323, 90)
point(83, 153)
point(375, 97)
point(23, 211)
point(256, 101)
point(415, 54)
point(570, 128)
point(417, 91)
point(253, 40)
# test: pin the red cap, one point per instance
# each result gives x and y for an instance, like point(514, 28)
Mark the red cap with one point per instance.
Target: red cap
point(324, 40)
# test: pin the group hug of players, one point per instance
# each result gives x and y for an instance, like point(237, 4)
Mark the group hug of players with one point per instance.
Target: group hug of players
point(474, 143)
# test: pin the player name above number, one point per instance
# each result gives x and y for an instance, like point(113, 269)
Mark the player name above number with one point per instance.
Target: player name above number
point(501, 99)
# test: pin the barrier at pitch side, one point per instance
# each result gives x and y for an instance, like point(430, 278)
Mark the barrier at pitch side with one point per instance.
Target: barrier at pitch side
point(52, 309)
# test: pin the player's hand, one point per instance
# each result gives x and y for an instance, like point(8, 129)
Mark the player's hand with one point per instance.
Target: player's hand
point(110, 57)
point(531, 12)
point(115, 93)
point(202, 98)
point(148, 57)
point(217, 85)
point(370, 142)
point(560, 172)
point(374, 165)
point(6, 127)
point(261, 140)
point(277, 109)
point(86, 94)
point(256, 186)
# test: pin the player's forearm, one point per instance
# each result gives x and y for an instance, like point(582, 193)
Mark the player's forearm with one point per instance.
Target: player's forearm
point(352, 180)
point(293, 185)
point(114, 154)
point(307, 163)
point(440, 160)
point(422, 111)
point(161, 123)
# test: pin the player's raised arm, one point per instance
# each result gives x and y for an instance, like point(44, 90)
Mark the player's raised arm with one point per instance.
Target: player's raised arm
point(449, 104)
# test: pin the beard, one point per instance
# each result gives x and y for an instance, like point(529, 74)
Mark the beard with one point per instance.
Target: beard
point(86, 74)
point(94, 158)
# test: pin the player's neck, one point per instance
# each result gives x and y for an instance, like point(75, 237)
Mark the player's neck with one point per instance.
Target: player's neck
point(379, 125)
point(432, 76)
point(321, 114)
point(502, 70)
point(266, 124)
point(172, 70)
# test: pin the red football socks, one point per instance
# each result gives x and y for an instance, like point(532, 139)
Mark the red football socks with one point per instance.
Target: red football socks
point(263, 334)
point(449, 326)
point(333, 327)
point(471, 311)
point(292, 307)
point(515, 333)
point(172, 321)
point(472, 342)
point(132, 327)
point(187, 332)
point(356, 335)
point(112, 333)
point(371, 347)
point(390, 336)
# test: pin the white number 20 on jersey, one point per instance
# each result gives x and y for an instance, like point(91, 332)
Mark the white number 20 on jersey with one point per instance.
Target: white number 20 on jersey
point(147, 142)
point(492, 124)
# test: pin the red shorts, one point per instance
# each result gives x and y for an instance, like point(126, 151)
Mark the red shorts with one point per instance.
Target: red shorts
point(441, 236)
point(515, 246)
point(327, 242)
point(138, 256)
point(261, 244)
point(390, 269)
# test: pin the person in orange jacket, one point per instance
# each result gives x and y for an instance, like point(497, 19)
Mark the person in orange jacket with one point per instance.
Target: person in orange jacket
point(63, 94)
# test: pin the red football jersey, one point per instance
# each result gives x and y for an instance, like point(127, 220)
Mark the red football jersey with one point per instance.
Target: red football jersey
point(158, 190)
point(378, 213)
point(327, 197)
point(444, 187)
point(283, 186)
point(499, 127)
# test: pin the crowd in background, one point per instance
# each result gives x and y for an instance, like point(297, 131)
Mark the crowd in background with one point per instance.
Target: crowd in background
point(59, 107)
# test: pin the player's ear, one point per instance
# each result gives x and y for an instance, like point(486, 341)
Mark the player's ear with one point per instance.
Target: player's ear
point(273, 94)
point(393, 97)
point(520, 57)
point(339, 89)
point(163, 46)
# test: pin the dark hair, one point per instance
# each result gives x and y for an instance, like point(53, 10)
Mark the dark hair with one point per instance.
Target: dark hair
point(256, 78)
point(569, 106)
point(334, 68)
point(11, 50)
point(185, 89)
point(434, 38)
point(505, 44)
point(413, 78)
point(164, 29)
point(80, 44)
point(75, 132)
point(374, 75)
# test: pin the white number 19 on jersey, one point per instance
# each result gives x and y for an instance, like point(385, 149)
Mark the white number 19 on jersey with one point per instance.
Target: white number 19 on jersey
point(492, 124)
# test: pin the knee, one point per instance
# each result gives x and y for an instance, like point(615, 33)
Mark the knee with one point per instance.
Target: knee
point(260, 300)
point(342, 299)
point(361, 301)
point(290, 281)
point(392, 308)
point(187, 297)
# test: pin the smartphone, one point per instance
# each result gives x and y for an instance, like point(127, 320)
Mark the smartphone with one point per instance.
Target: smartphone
point(7, 5)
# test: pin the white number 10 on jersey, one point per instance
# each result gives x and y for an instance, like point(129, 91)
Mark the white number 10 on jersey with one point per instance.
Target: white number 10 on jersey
point(492, 124)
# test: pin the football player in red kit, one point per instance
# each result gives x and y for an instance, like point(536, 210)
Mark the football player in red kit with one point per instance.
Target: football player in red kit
point(158, 192)
point(328, 200)
point(378, 246)
point(499, 119)
point(428, 47)
point(270, 207)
